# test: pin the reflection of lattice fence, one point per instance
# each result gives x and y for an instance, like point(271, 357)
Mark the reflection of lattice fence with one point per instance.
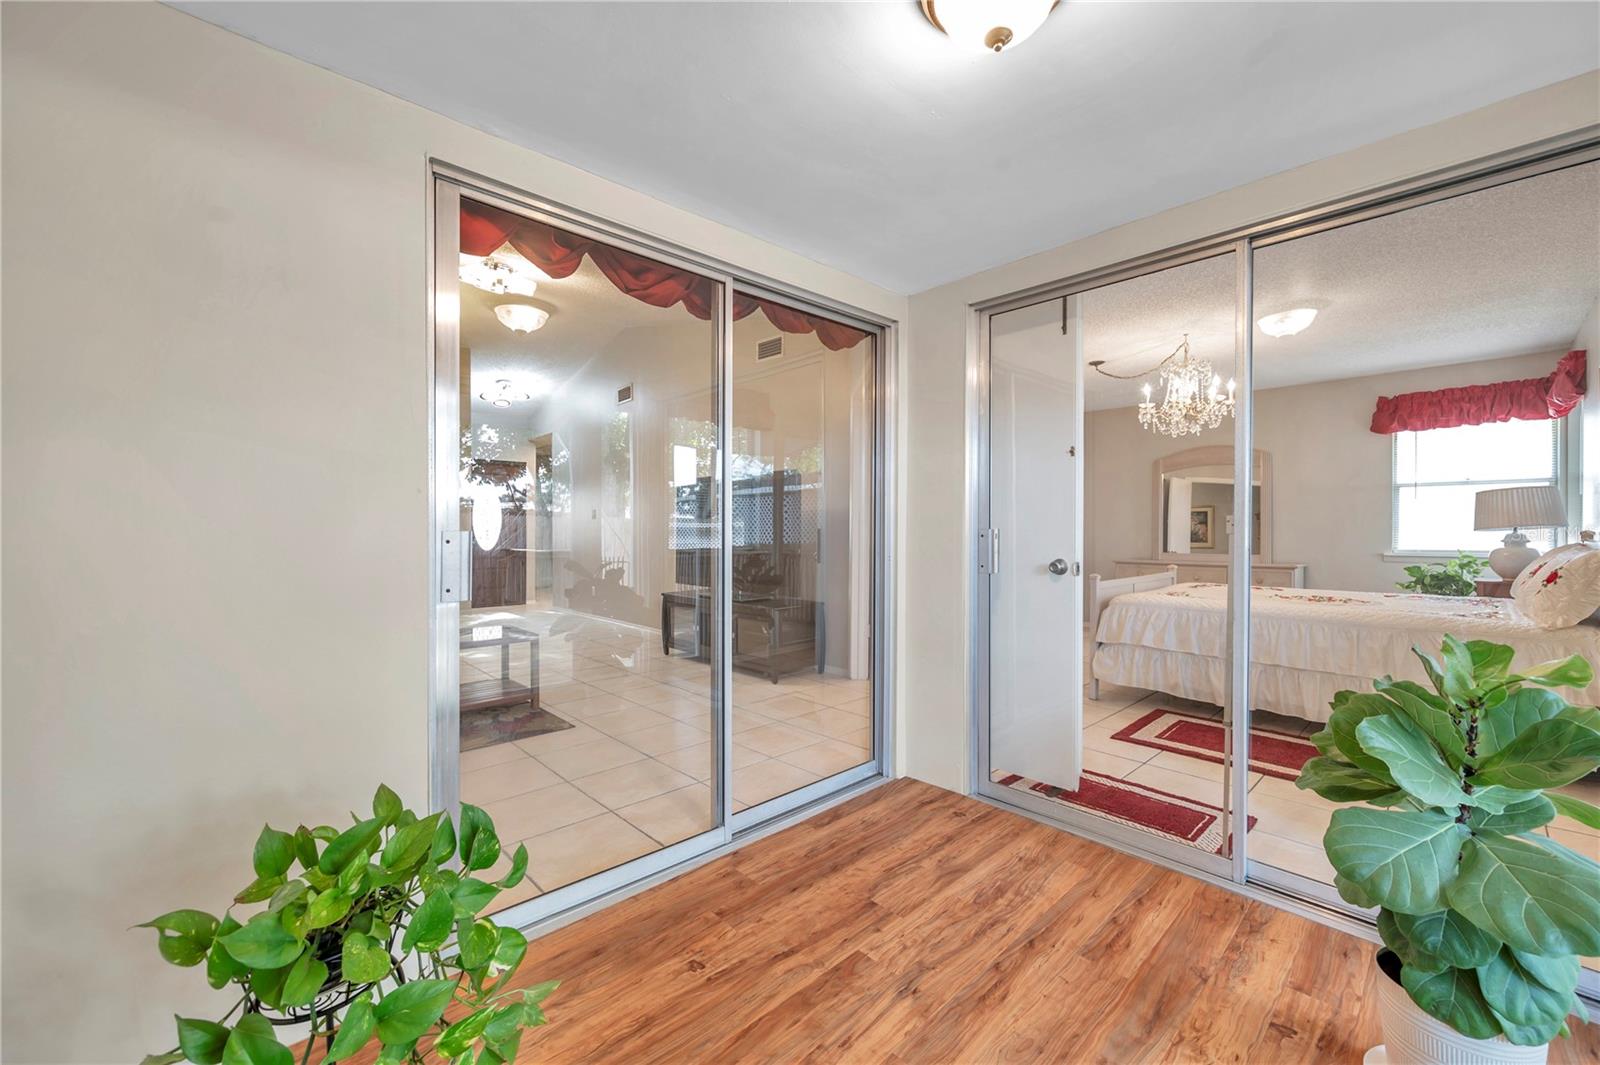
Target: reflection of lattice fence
point(755, 519)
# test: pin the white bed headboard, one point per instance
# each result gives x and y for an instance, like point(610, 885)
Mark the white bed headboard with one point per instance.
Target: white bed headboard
point(1103, 590)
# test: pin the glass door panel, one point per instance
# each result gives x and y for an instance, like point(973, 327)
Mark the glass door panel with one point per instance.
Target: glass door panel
point(588, 477)
point(1108, 693)
point(801, 477)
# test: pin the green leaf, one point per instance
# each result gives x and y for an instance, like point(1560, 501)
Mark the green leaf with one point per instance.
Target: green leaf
point(1402, 860)
point(304, 981)
point(1551, 753)
point(359, 1024)
point(267, 984)
point(1411, 954)
point(480, 847)
point(444, 841)
point(536, 994)
point(1449, 937)
point(1342, 782)
point(1412, 759)
point(430, 925)
point(459, 1037)
point(327, 908)
point(1352, 893)
point(350, 845)
point(1535, 898)
point(1431, 715)
point(519, 869)
point(183, 936)
point(410, 1010)
point(1524, 816)
point(260, 889)
point(305, 848)
point(221, 967)
point(1577, 809)
point(274, 852)
point(1517, 995)
point(410, 844)
point(252, 1043)
point(475, 943)
point(286, 895)
point(472, 895)
point(394, 1053)
point(1496, 798)
point(1571, 672)
point(171, 1057)
point(1522, 710)
point(506, 1023)
point(509, 949)
point(1491, 662)
point(1347, 716)
point(362, 959)
point(386, 805)
point(201, 1041)
point(1452, 996)
point(263, 943)
point(1459, 682)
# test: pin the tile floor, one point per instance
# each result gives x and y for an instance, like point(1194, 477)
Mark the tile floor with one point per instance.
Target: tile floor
point(631, 775)
point(1290, 822)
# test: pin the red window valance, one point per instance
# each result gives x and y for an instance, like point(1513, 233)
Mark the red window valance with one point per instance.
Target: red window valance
point(1533, 399)
point(560, 253)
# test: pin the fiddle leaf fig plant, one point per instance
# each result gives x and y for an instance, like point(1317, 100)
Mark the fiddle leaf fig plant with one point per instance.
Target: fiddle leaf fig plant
point(1487, 915)
point(367, 935)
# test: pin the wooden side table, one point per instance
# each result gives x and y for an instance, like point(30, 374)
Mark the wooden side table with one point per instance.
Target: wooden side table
point(1494, 589)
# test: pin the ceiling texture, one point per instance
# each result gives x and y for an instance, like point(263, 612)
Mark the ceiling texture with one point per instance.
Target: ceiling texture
point(857, 135)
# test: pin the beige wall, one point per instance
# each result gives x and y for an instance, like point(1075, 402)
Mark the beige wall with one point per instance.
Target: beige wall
point(216, 466)
point(935, 634)
point(1331, 475)
point(1588, 339)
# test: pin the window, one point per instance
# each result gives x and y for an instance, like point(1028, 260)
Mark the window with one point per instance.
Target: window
point(1439, 472)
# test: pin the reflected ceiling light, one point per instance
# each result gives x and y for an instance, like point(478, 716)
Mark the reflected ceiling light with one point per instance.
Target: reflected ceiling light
point(503, 394)
point(990, 25)
point(503, 271)
point(1287, 323)
point(521, 317)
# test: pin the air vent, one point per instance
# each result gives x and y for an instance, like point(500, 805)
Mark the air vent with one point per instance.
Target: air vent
point(625, 393)
point(770, 349)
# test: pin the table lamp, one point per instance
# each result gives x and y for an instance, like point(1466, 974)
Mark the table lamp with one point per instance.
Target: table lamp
point(1527, 506)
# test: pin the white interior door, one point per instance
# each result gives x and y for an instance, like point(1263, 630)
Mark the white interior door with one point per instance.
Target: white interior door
point(1035, 507)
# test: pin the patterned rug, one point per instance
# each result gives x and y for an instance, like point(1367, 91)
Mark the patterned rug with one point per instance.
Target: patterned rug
point(1277, 754)
point(1159, 813)
point(502, 724)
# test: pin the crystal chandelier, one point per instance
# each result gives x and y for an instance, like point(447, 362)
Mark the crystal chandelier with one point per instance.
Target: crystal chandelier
point(1192, 399)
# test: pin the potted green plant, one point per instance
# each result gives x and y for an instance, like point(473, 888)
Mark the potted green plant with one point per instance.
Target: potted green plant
point(1483, 919)
point(370, 939)
point(1457, 576)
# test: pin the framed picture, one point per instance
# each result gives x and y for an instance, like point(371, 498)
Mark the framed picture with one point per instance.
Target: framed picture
point(1202, 526)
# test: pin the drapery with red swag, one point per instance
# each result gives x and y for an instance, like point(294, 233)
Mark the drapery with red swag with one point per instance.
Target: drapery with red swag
point(1534, 399)
point(560, 253)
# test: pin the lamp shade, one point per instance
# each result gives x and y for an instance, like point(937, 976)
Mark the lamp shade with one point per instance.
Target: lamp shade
point(1529, 506)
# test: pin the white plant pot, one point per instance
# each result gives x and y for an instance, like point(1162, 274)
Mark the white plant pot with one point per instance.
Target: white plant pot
point(1412, 1036)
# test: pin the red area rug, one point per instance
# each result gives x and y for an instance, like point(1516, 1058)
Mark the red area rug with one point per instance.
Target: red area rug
point(1160, 813)
point(1277, 754)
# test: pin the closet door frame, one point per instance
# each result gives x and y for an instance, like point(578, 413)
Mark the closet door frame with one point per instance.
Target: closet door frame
point(1310, 898)
point(446, 186)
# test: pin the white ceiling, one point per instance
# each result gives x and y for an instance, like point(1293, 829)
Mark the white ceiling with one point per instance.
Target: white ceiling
point(1511, 270)
point(856, 134)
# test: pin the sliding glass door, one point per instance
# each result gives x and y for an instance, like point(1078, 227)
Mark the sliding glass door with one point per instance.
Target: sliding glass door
point(1303, 452)
point(657, 544)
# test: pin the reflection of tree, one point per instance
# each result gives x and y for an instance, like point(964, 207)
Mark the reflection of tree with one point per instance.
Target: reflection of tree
point(616, 454)
point(702, 436)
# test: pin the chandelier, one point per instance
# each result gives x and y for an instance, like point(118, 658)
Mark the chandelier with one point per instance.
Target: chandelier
point(1192, 399)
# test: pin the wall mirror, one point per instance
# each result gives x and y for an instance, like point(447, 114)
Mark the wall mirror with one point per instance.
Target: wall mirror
point(1193, 509)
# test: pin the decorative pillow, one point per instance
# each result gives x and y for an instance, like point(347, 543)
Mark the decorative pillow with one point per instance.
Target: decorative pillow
point(1561, 588)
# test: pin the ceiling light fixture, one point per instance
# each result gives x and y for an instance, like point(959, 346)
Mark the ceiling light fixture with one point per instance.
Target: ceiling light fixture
point(504, 271)
point(520, 317)
point(1287, 323)
point(503, 394)
point(990, 25)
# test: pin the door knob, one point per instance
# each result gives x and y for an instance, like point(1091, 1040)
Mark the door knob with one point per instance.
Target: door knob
point(1058, 566)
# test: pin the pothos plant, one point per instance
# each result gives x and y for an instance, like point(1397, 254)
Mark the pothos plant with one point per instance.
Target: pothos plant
point(1454, 577)
point(1487, 915)
point(371, 938)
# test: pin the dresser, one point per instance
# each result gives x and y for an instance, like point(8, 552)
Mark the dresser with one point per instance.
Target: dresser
point(1262, 574)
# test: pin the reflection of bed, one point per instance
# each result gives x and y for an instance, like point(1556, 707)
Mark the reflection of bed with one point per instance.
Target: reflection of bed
point(1306, 643)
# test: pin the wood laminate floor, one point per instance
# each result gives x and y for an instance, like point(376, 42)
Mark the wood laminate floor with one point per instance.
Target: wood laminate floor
point(912, 925)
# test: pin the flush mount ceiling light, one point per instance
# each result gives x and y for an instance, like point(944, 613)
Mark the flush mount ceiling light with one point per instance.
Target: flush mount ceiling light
point(520, 317)
point(503, 394)
point(1287, 323)
point(990, 25)
point(503, 272)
